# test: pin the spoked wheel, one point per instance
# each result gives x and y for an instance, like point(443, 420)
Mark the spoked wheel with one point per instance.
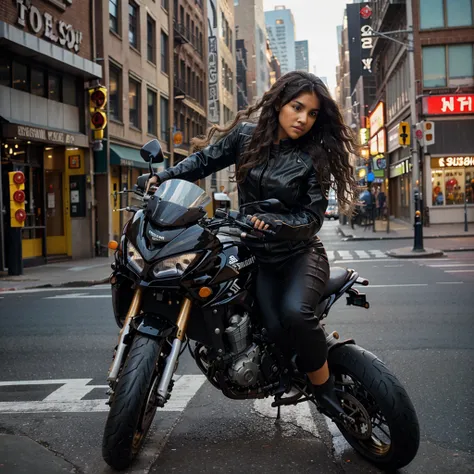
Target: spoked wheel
point(134, 404)
point(386, 429)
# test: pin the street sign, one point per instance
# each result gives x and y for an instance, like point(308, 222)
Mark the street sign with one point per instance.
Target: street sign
point(404, 134)
point(419, 134)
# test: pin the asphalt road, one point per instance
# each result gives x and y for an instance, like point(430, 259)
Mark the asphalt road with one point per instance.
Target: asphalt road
point(56, 346)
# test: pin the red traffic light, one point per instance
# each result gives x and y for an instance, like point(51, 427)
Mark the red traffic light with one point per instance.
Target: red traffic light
point(98, 97)
point(18, 178)
point(19, 196)
point(98, 119)
point(20, 215)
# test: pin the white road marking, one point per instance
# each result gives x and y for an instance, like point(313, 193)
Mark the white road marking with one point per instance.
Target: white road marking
point(80, 269)
point(74, 296)
point(68, 398)
point(299, 415)
point(367, 261)
point(393, 266)
point(344, 254)
point(362, 253)
point(330, 254)
point(450, 283)
point(41, 290)
point(452, 265)
point(458, 271)
point(402, 285)
point(338, 441)
point(378, 253)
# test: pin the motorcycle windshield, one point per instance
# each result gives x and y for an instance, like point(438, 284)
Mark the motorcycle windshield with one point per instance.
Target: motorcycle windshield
point(178, 201)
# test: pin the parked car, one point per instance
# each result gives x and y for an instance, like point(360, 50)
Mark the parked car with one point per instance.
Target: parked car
point(332, 212)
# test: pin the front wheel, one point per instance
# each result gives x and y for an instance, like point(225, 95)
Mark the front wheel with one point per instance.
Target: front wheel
point(388, 434)
point(133, 404)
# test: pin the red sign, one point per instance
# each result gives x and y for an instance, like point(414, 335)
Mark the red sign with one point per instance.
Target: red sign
point(451, 104)
point(366, 12)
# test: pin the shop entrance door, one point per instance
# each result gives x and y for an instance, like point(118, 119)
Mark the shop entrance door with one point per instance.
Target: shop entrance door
point(56, 239)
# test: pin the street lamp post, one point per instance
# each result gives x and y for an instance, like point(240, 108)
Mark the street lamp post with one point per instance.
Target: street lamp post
point(418, 226)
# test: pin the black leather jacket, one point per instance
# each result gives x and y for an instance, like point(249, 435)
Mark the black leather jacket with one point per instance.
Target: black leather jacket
point(288, 176)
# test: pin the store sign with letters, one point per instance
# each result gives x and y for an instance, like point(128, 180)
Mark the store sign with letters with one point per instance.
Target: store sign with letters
point(377, 118)
point(45, 25)
point(451, 104)
point(43, 135)
point(452, 162)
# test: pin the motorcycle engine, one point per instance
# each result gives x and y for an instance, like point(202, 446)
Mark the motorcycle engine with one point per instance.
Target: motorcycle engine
point(244, 370)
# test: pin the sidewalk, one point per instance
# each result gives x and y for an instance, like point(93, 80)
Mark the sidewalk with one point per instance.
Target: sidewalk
point(72, 273)
point(402, 230)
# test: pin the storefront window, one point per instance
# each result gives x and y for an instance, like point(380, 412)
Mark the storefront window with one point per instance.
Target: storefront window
point(69, 91)
point(54, 87)
point(452, 186)
point(5, 72)
point(37, 82)
point(20, 77)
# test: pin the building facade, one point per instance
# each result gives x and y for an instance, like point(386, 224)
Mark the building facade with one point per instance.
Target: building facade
point(273, 65)
point(47, 60)
point(444, 72)
point(280, 26)
point(250, 26)
point(301, 56)
point(241, 63)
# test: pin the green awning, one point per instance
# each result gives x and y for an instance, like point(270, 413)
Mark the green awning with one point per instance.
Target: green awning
point(126, 156)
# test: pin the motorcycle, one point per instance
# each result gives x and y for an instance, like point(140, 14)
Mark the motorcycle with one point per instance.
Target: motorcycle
point(182, 279)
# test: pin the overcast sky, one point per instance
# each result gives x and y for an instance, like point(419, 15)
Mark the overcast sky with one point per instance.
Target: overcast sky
point(316, 21)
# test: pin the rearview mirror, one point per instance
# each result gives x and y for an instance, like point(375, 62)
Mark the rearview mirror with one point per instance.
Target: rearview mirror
point(272, 205)
point(152, 152)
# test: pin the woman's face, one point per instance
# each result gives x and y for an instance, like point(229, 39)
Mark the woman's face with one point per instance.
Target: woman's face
point(298, 116)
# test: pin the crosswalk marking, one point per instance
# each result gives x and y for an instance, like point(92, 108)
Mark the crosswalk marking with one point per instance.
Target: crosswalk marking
point(354, 254)
point(345, 254)
point(362, 253)
point(68, 397)
point(330, 254)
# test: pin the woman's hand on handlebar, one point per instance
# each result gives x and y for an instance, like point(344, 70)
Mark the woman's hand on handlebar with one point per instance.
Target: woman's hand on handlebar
point(154, 180)
point(258, 223)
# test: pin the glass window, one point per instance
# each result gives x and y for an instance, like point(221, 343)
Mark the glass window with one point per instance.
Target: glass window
point(459, 12)
point(115, 93)
point(38, 83)
point(164, 52)
point(69, 91)
point(20, 77)
point(431, 14)
point(133, 24)
point(134, 103)
point(164, 4)
point(434, 66)
point(452, 186)
point(54, 87)
point(5, 72)
point(114, 15)
point(461, 69)
point(164, 122)
point(151, 100)
point(150, 39)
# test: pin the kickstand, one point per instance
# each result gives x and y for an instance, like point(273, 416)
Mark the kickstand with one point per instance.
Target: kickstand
point(278, 412)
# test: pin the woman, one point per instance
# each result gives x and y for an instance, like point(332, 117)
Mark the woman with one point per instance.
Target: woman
point(298, 143)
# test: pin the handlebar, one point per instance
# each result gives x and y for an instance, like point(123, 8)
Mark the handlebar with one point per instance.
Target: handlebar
point(240, 221)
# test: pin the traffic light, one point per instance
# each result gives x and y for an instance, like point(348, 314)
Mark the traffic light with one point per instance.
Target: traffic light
point(404, 134)
point(97, 103)
point(428, 133)
point(17, 199)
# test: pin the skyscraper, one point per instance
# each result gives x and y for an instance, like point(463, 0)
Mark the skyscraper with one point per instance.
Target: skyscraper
point(281, 33)
point(301, 56)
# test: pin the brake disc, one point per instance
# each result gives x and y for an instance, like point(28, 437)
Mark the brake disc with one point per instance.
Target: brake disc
point(361, 428)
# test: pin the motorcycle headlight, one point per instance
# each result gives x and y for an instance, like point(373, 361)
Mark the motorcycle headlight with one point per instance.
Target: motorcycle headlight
point(134, 258)
point(174, 266)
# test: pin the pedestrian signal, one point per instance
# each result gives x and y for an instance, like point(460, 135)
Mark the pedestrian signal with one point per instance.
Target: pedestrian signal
point(404, 133)
point(98, 117)
point(16, 180)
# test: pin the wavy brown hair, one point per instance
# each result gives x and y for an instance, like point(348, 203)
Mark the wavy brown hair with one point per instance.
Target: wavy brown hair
point(329, 142)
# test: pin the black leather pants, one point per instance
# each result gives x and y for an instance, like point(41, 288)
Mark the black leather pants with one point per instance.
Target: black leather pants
point(288, 293)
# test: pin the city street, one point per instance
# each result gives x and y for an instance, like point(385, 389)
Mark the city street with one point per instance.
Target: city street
point(56, 346)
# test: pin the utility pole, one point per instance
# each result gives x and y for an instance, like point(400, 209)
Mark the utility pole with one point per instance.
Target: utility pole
point(418, 229)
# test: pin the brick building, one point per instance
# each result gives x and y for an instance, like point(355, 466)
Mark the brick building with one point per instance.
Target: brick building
point(444, 71)
point(47, 58)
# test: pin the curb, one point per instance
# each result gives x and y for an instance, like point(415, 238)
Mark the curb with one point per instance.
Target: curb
point(461, 249)
point(406, 252)
point(352, 238)
point(69, 284)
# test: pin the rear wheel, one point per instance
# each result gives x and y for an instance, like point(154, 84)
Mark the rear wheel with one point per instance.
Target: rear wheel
point(387, 431)
point(133, 405)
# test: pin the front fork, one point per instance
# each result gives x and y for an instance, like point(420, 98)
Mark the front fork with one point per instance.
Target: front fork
point(171, 360)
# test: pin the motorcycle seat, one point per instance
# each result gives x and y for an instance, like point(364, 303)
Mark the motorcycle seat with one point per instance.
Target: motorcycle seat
point(337, 279)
